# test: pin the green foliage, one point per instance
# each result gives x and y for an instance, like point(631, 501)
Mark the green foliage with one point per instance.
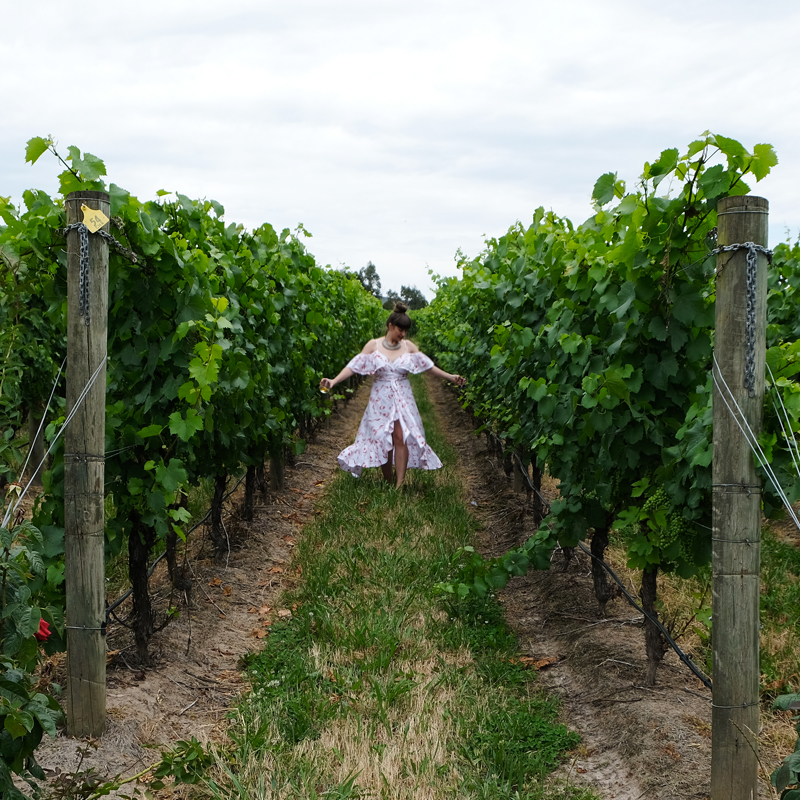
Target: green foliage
point(786, 779)
point(26, 714)
point(589, 347)
point(186, 762)
point(218, 337)
point(473, 573)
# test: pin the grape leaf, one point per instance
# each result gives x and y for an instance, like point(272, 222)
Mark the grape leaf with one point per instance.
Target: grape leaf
point(35, 148)
point(603, 191)
point(764, 158)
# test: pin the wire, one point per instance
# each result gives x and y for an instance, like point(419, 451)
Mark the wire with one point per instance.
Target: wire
point(751, 439)
point(41, 423)
point(681, 655)
point(112, 453)
point(81, 398)
point(791, 442)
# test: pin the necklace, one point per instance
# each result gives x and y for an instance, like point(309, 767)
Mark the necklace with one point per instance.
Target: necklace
point(390, 346)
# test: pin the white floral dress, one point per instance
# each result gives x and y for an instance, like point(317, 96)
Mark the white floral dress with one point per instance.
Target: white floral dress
point(391, 399)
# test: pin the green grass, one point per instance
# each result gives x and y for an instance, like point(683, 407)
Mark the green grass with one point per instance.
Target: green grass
point(377, 687)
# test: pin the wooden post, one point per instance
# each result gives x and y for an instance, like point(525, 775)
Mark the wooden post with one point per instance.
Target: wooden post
point(736, 534)
point(84, 472)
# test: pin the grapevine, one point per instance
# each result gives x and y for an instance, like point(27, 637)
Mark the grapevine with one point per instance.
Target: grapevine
point(590, 347)
point(217, 339)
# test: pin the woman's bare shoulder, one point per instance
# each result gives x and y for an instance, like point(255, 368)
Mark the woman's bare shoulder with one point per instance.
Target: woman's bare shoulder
point(412, 348)
point(370, 346)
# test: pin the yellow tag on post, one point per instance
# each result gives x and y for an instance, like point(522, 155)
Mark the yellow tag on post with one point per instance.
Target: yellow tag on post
point(93, 220)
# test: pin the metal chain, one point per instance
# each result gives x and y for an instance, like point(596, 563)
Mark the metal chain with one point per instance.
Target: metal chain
point(753, 250)
point(83, 289)
point(83, 238)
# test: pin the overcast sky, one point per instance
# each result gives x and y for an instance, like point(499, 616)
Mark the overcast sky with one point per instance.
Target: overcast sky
point(396, 132)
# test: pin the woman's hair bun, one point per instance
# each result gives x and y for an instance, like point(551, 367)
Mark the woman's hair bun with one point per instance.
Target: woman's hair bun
point(400, 308)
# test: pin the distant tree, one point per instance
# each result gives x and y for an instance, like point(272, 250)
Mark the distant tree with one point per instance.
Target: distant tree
point(370, 279)
point(391, 298)
point(409, 295)
point(413, 297)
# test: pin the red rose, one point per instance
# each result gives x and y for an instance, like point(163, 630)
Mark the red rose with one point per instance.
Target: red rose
point(43, 634)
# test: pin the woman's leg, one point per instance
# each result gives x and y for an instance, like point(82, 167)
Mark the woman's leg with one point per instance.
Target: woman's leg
point(400, 453)
point(387, 467)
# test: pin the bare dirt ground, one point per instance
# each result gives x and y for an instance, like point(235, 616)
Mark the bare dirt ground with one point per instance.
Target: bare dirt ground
point(637, 743)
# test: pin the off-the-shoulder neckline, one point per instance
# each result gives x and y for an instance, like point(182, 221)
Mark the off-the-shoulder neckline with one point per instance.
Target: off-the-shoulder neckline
point(392, 360)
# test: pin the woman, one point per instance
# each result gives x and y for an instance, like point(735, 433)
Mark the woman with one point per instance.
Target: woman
point(391, 429)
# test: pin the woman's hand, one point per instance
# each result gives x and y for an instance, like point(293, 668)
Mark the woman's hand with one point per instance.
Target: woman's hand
point(458, 380)
point(325, 385)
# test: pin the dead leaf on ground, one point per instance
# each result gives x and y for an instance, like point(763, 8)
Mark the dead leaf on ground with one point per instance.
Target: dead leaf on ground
point(288, 539)
point(226, 591)
point(215, 582)
point(252, 610)
point(532, 661)
point(265, 609)
point(259, 633)
point(284, 612)
point(275, 570)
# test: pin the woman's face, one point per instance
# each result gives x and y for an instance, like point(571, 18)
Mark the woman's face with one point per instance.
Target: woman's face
point(395, 334)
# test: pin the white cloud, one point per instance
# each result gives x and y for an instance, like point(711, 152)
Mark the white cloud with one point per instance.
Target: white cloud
point(396, 132)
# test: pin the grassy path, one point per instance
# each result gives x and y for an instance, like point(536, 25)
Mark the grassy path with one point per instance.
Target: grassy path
point(376, 687)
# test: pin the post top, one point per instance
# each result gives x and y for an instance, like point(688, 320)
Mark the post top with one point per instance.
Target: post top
point(743, 203)
point(87, 195)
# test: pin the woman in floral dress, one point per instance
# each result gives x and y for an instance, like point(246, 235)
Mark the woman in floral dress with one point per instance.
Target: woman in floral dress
point(391, 429)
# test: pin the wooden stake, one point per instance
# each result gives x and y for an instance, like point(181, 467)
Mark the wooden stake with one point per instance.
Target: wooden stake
point(84, 472)
point(737, 508)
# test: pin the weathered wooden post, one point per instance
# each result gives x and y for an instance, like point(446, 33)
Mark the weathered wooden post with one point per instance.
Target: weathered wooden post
point(739, 350)
point(84, 467)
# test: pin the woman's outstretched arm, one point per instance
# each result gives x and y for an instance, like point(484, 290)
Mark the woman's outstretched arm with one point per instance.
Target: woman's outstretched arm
point(440, 373)
point(327, 383)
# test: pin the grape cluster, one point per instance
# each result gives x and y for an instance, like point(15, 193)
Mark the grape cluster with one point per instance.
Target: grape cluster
point(682, 531)
point(656, 500)
point(678, 530)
